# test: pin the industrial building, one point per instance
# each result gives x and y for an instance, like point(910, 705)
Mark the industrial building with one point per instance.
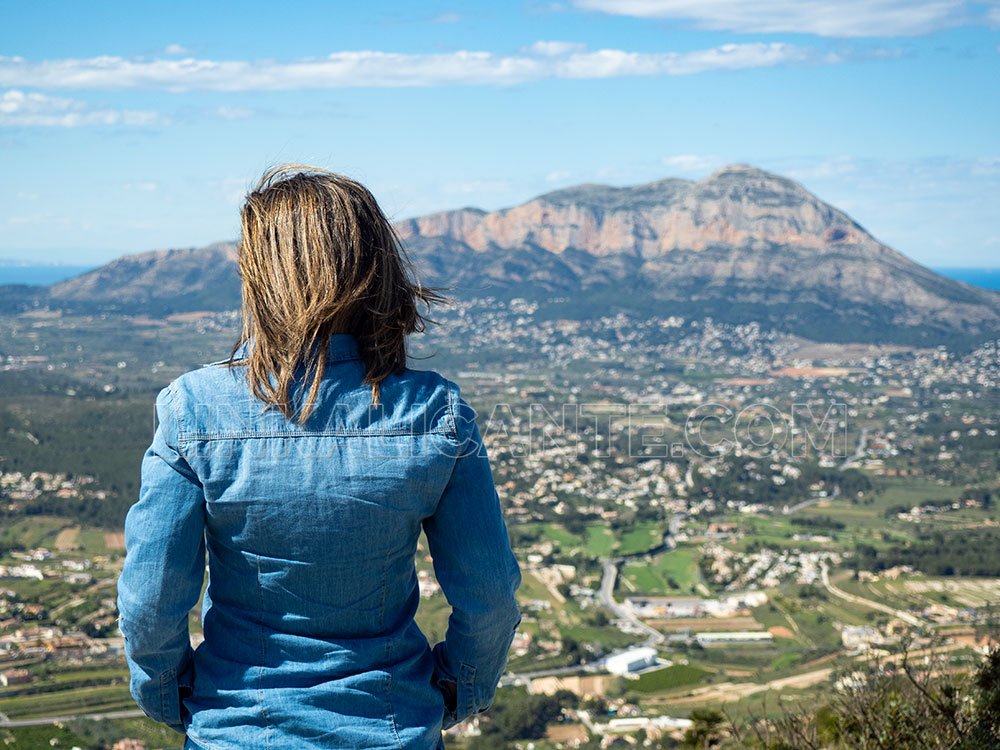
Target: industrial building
point(631, 661)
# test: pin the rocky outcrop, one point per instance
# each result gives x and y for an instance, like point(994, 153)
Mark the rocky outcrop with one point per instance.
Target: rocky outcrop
point(738, 206)
point(742, 244)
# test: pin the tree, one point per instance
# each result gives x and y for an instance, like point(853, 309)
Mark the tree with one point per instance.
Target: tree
point(707, 730)
point(910, 705)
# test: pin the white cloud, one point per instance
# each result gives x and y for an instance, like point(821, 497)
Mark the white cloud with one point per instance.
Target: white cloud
point(831, 18)
point(993, 14)
point(534, 6)
point(836, 166)
point(555, 49)
point(20, 109)
point(450, 16)
point(477, 186)
point(986, 165)
point(142, 187)
point(389, 69)
point(693, 163)
point(29, 219)
point(175, 49)
point(560, 175)
point(232, 113)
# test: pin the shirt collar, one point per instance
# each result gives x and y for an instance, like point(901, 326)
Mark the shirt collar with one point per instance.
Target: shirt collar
point(340, 347)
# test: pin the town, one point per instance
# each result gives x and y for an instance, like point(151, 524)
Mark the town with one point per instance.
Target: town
point(706, 515)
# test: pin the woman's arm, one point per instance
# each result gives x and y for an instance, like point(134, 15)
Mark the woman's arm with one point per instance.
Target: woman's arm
point(163, 573)
point(478, 573)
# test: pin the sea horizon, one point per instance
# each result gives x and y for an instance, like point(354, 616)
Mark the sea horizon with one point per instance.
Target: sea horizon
point(18, 272)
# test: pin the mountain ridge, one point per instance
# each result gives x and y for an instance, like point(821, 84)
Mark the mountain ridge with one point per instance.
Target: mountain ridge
point(740, 244)
point(674, 213)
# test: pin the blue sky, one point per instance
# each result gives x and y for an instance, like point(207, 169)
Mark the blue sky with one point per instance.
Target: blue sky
point(132, 126)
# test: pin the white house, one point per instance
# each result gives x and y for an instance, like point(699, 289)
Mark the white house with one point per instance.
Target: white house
point(631, 661)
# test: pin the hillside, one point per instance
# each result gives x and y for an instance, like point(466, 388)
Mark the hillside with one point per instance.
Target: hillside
point(739, 245)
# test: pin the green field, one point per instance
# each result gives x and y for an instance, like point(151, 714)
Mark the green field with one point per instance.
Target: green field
point(34, 531)
point(673, 572)
point(52, 673)
point(92, 541)
point(432, 617)
point(91, 733)
point(532, 588)
point(83, 700)
point(40, 737)
point(668, 678)
point(558, 534)
point(600, 541)
point(866, 518)
point(609, 637)
point(640, 537)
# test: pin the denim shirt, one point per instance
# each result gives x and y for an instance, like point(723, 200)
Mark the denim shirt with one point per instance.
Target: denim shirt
point(310, 533)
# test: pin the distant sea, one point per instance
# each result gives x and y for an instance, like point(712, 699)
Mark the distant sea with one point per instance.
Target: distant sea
point(39, 275)
point(987, 278)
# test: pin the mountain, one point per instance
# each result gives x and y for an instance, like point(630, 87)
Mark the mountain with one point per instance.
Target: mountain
point(742, 244)
point(739, 245)
point(183, 279)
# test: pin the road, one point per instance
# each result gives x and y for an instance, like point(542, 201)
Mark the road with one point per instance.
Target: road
point(898, 613)
point(66, 605)
point(606, 593)
point(859, 452)
point(806, 503)
point(734, 691)
point(41, 721)
point(608, 600)
point(606, 597)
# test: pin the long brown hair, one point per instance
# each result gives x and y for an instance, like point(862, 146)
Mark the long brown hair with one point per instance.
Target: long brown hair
point(317, 257)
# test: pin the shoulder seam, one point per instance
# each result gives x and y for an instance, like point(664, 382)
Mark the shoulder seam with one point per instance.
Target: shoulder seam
point(452, 396)
point(172, 412)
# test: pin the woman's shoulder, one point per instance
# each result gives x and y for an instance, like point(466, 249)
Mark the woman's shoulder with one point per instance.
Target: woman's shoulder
point(200, 391)
point(428, 379)
point(212, 380)
point(430, 387)
point(419, 390)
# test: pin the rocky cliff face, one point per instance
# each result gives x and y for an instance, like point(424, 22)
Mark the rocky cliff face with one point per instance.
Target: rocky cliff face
point(739, 206)
point(740, 245)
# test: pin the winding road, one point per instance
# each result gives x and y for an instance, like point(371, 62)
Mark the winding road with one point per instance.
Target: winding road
point(806, 503)
point(606, 597)
point(859, 451)
point(608, 600)
point(898, 613)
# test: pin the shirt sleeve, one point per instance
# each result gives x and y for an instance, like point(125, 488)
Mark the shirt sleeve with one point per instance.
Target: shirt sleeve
point(163, 573)
point(478, 573)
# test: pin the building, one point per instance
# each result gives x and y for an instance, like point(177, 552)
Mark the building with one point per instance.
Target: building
point(665, 606)
point(631, 661)
point(15, 677)
point(860, 637)
point(583, 685)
